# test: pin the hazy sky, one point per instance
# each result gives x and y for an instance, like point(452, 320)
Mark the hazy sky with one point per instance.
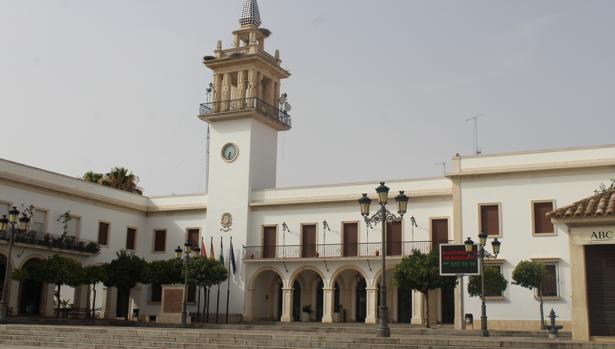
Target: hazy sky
point(380, 89)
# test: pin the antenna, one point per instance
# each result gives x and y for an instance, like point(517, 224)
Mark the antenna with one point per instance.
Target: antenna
point(476, 149)
point(443, 164)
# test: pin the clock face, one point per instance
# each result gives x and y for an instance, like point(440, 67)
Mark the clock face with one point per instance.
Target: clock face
point(230, 152)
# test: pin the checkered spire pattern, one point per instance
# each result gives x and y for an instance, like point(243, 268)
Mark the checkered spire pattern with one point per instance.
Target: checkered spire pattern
point(250, 13)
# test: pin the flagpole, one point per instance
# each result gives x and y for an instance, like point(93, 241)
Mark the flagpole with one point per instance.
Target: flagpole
point(207, 306)
point(228, 280)
point(218, 293)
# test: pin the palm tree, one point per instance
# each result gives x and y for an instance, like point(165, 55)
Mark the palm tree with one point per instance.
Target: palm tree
point(92, 176)
point(119, 178)
point(123, 179)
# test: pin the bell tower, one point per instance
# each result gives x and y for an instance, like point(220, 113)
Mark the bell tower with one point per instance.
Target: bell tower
point(245, 115)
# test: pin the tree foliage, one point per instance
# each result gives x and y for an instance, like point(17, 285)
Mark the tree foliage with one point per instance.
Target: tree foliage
point(495, 283)
point(165, 272)
point(119, 178)
point(603, 188)
point(529, 274)
point(206, 272)
point(420, 271)
point(126, 270)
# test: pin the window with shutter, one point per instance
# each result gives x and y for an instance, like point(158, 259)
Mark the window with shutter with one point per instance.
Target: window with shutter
point(103, 233)
point(156, 295)
point(39, 221)
point(542, 223)
point(160, 240)
point(549, 288)
point(193, 237)
point(498, 266)
point(490, 219)
point(131, 236)
point(4, 209)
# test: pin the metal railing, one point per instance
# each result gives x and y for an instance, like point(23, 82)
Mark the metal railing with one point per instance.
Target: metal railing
point(364, 249)
point(63, 242)
point(246, 104)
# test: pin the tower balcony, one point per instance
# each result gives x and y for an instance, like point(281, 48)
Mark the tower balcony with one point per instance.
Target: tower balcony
point(337, 251)
point(246, 107)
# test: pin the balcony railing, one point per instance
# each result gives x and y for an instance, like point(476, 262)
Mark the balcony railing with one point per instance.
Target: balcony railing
point(246, 104)
point(62, 242)
point(365, 249)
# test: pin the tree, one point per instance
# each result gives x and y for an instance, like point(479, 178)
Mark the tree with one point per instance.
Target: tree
point(126, 271)
point(60, 271)
point(495, 283)
point(92, 275)
point(532, 274)
point(603, 188)
point(420, 271)
point(119, 178)
point(206, 272)
point(92, 177)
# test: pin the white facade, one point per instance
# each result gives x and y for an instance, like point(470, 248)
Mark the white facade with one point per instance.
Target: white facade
point(244, 187)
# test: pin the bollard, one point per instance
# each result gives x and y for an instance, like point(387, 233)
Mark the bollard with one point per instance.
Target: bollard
point(553, 328)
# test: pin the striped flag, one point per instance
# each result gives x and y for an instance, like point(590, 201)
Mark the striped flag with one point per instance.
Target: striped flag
point(203, 248)
point(221, 252)
point(211, 249)
point(232, 257)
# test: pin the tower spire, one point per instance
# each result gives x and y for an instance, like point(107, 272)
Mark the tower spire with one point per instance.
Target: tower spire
point(250, 14)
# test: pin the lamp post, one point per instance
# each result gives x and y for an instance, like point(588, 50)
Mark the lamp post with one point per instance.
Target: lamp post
point(383, 216)
point(24, 223)
point(482, 255)
point(188, 249)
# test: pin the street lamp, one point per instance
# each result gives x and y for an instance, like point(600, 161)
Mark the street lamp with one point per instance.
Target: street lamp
point(188, 250)
point(482, 255)
point(383, 216)
point(8, 226)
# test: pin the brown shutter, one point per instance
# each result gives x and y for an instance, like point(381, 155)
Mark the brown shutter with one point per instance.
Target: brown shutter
point(600, 275)
point(542, 223)
point(351, 239)
point(131, 234)
point(394, 239)
point(308, 240)
point(269, 242)
point(160, 237)
point(439, 233)
point(193, 237)
point(103, 233)
point(490, 219)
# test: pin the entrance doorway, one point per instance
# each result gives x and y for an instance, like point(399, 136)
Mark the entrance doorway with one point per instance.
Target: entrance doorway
point(31, 292)
point(404, 305)
point(296, 301)
point(123, 298)
point(600, 274)
point(361, 300)
point(448, 305)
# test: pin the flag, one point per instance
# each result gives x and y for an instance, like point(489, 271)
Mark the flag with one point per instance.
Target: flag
point(211, 249)
point(203, 248)
point(232, 257)
point(221, 252)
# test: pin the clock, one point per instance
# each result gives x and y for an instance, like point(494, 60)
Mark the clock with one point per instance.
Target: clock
point(230, 152)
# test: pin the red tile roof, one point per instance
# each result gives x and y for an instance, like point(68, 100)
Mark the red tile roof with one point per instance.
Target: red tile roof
point(601, 204)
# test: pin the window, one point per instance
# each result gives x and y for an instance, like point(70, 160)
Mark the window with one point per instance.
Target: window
point(156, 293)
point(131, 235)
point(193, 236)
point(191, 294)
point(74, 226)
point(542, 223)
point(4, 209)
point(498, 265)
point(490, 219)
point(103, 233)
point(39, 221)
point(550, 289)
point(160, 240)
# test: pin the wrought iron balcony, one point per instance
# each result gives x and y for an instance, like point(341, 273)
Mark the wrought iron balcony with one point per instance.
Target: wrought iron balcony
point(51, 241)
point(336, 251)
point(245, 105)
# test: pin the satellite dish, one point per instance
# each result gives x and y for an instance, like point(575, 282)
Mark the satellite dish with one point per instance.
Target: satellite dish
point(287, 107)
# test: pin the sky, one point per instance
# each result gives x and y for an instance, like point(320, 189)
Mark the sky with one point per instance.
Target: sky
point(380, 89)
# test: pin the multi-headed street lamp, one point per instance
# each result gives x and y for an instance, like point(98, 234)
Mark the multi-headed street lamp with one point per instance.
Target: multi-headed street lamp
point(482, 255)
point(383, 216)
point(10, 227)
point(188, 249)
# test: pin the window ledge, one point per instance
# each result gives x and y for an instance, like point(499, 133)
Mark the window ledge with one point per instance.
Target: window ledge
point(494, 298)
point(544, 234)
point(548, 298)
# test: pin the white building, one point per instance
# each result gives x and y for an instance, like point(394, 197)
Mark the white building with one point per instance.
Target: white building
point(309, 245)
